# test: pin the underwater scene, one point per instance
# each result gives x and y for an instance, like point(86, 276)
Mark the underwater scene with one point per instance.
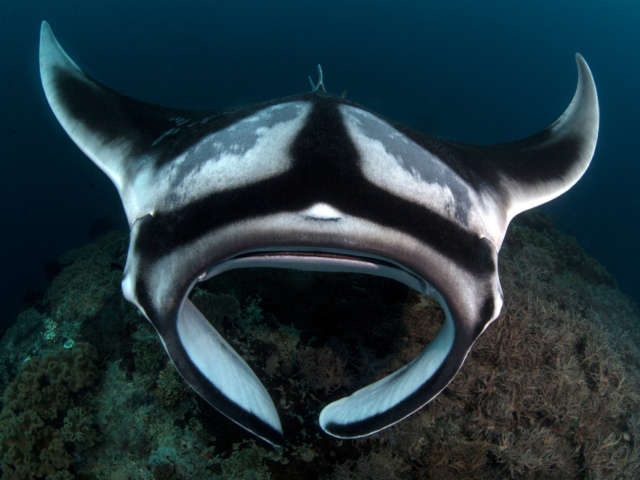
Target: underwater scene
point(341, 240)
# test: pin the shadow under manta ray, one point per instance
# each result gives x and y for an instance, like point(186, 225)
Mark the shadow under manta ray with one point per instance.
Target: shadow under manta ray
point(312, 182)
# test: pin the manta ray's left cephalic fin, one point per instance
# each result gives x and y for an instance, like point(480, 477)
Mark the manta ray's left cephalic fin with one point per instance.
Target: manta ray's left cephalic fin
point(130, 141)
point(214, 369)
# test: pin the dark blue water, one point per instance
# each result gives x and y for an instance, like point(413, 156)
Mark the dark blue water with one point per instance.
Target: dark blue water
point(479, 72)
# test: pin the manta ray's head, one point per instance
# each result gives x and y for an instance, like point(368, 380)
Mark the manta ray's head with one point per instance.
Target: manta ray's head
point(311, 182)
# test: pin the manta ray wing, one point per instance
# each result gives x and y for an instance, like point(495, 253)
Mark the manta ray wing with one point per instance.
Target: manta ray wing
point(312, 182)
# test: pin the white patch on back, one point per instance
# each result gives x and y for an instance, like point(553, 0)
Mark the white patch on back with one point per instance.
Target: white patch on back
point(395, 163)
point(249, 151)
point(396, 171)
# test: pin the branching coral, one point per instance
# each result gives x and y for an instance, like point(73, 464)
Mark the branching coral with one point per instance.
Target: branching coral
point(382, 466)
point(535, 451)
point(452, 460)
point(322, 369)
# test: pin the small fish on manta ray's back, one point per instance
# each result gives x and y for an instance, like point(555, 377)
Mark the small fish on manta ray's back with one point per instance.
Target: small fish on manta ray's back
point(312, 182)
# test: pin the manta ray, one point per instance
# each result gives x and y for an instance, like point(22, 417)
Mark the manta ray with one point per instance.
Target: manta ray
point(319, 183)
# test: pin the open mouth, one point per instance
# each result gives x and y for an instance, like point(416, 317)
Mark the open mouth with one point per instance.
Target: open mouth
point(318, 335)
point(225, 378)
point(319, 260)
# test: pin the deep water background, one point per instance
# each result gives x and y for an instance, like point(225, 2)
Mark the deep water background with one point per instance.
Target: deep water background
point(478, 72)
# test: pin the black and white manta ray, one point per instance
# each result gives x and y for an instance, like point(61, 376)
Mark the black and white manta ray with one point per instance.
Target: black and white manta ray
point(312, 182)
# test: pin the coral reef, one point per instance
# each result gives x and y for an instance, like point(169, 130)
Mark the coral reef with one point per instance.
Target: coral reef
point(322, 369)
point(247, 462)
point(22, 340)
point(31, 443)
point(82, 288)
point(385, 465)
point(171, 388)
point(165, 471)
point(216, 307)
point(147, 353)
point(88, 279)
point(77, 429)
point(536, 229)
